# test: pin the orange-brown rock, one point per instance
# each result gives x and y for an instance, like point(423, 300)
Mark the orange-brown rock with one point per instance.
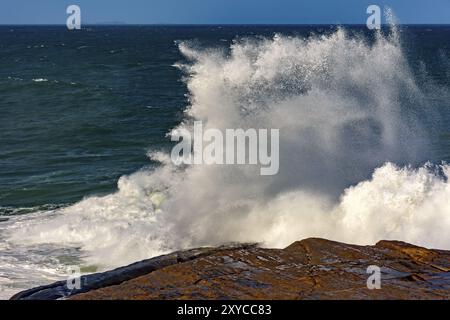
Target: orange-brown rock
point(307, 269)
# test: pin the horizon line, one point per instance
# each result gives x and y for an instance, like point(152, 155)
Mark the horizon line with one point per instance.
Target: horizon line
point(217, 24)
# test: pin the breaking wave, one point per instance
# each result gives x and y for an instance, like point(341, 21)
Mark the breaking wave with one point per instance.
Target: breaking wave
point(352, 152)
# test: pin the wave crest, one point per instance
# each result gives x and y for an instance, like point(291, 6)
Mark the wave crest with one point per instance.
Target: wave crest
point(344, 106)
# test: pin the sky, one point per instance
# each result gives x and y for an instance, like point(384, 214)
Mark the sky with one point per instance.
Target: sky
point(221, 11)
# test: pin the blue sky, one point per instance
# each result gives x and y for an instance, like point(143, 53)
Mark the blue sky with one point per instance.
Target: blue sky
point(220, 11)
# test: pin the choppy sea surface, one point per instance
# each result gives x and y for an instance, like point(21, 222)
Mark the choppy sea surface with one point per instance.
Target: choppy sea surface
point(85, 179)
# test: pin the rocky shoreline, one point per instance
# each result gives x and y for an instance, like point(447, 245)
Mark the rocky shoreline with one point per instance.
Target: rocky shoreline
point(309, 269)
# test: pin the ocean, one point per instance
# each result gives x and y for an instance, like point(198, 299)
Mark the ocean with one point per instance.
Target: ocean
point(86, 116)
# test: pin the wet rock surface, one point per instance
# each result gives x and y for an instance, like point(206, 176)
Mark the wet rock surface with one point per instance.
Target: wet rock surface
point(308, 269)
point(94, 281)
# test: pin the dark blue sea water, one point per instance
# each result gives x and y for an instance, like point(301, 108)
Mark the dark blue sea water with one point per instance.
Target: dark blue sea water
point(80, 109)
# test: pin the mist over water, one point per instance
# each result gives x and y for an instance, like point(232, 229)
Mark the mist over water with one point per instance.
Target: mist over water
point(354, 142)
